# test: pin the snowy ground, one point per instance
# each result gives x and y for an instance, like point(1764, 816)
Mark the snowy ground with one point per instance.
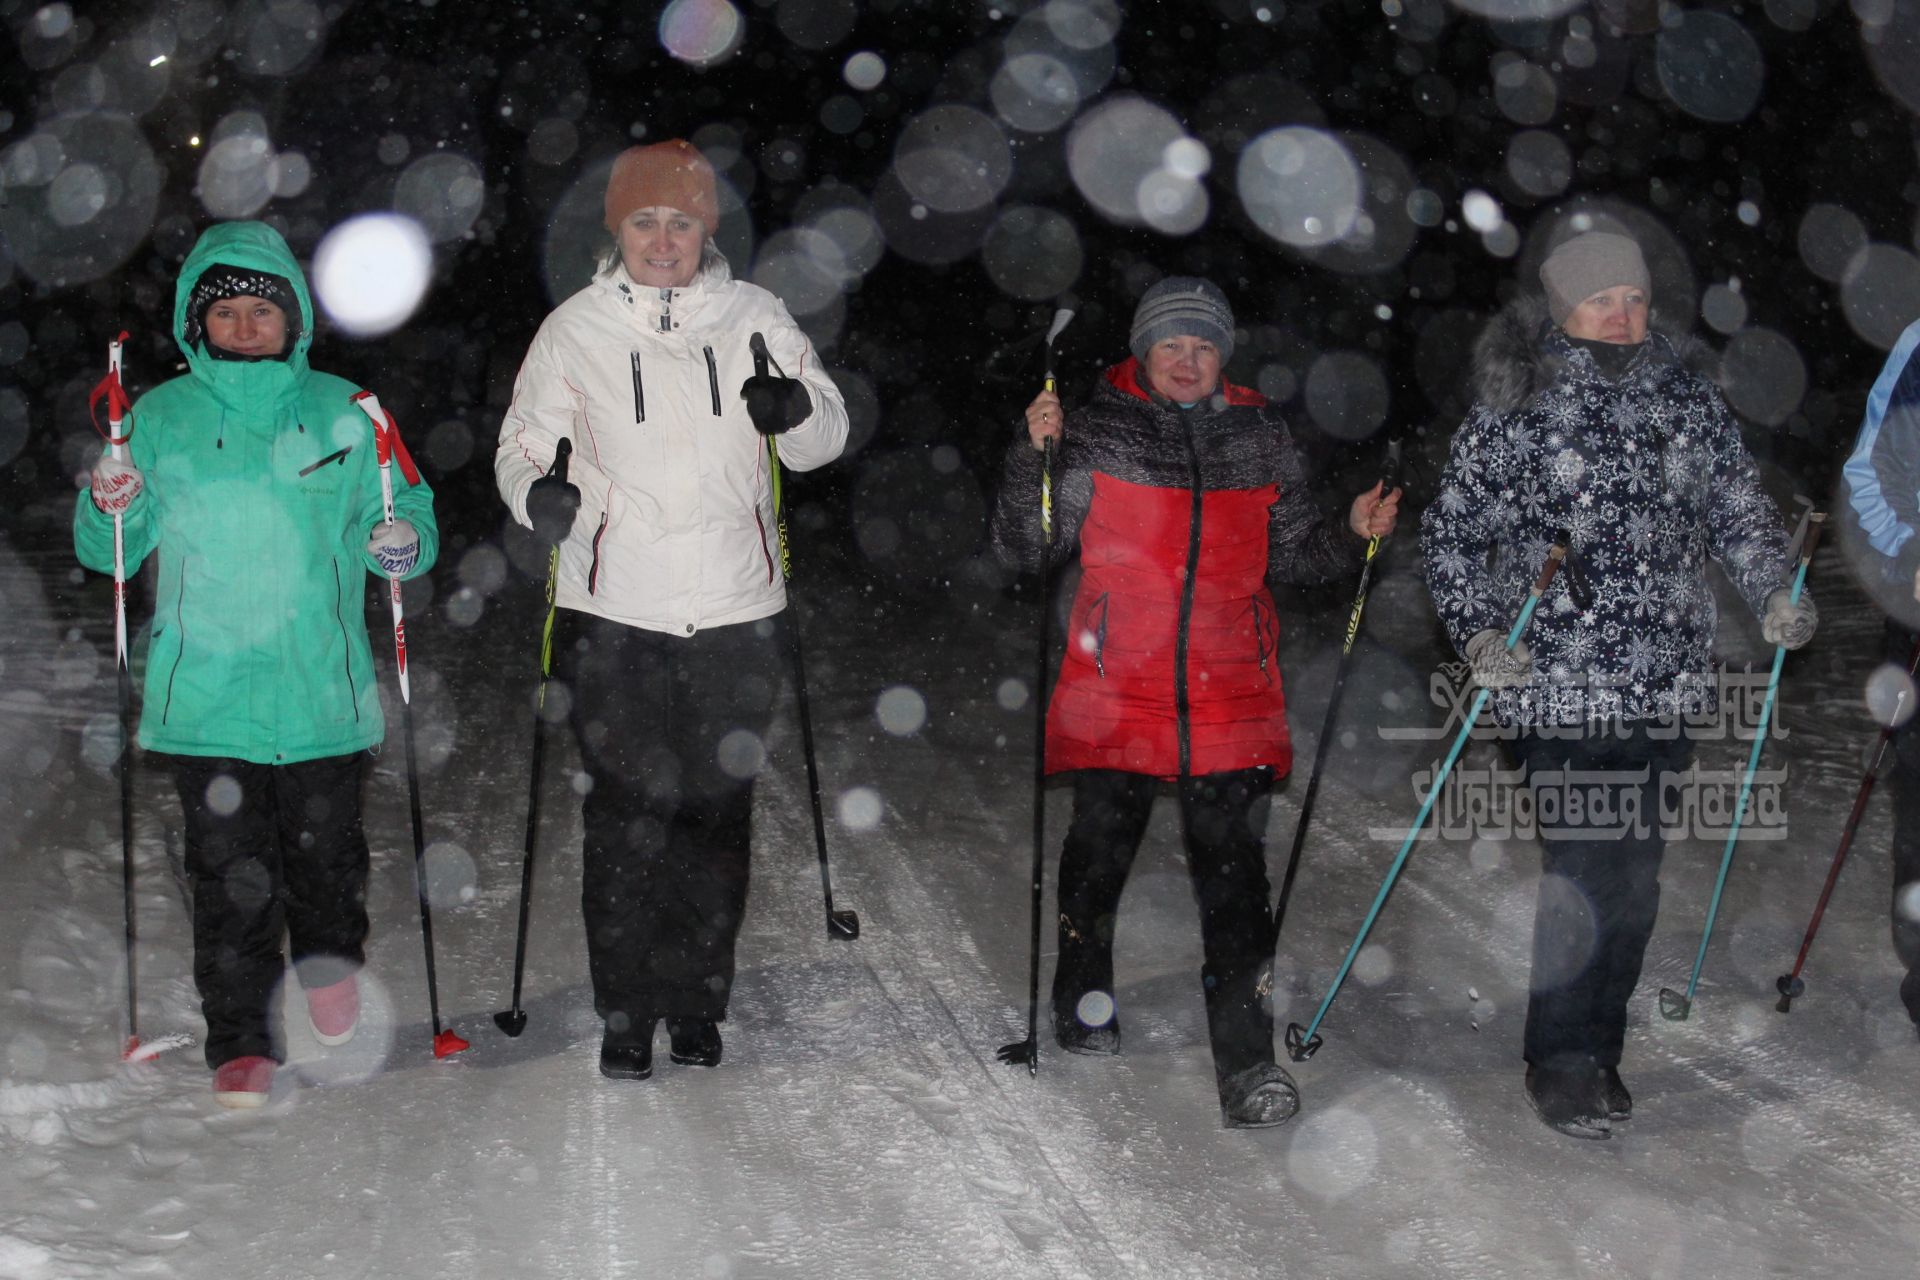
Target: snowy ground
point(860, 1125)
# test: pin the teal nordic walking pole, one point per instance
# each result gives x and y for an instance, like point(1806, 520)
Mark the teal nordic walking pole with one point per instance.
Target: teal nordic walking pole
point(1673, 1006)
point(1303, 1043)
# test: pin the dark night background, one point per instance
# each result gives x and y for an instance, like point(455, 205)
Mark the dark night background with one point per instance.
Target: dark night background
point(1779, 199)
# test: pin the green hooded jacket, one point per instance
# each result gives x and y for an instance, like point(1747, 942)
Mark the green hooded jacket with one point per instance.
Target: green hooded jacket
point(262, 487)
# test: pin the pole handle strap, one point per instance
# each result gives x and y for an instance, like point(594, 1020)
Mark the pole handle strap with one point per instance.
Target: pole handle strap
point(388, 445)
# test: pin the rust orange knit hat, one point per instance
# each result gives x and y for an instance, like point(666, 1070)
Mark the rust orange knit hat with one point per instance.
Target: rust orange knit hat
point(671, 174)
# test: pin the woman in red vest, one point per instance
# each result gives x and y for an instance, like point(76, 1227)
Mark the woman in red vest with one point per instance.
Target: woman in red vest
point(1185, 497)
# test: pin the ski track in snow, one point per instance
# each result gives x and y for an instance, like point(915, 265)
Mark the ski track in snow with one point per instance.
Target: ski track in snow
point(860, 1125)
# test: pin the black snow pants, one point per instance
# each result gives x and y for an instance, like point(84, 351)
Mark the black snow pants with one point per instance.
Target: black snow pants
point(1903, 787)
point(671, 732)
point(1596, 802)
point(271, 850)
point(1225, 816)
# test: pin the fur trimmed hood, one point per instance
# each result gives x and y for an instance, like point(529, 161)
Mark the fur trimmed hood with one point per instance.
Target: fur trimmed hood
point(1520, 353)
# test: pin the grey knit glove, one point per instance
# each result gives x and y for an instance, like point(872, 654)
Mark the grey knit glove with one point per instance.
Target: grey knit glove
point(1494, 665)
point(1787, 622)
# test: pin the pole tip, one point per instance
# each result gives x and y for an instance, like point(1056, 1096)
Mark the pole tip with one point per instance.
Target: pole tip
point(448, 1043)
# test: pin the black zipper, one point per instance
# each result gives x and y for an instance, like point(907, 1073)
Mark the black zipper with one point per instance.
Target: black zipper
point(338, 455)
point(713, 380)
point(179, 625)
point(639, 396)
point(346, 659)
point(593, 570)
point(1099, 633)
point(1182, 707)
point(1260, 637)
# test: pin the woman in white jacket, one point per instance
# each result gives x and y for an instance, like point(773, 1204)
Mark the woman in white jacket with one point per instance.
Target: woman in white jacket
point(668, 584)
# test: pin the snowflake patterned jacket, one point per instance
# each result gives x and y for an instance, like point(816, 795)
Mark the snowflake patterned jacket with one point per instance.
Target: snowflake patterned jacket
point(1651, 478)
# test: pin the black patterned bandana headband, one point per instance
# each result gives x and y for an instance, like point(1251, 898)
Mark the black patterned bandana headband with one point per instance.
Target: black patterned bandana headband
point(220, 281)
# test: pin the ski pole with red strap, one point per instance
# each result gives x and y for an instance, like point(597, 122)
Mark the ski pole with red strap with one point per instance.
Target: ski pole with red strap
point(113, 391)
point(387, 447)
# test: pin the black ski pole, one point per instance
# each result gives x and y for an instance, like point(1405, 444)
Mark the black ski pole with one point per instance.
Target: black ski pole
point(514, 1020)
point(844, 925)
point(1028, 1051)
point(1389, 472)
point(1790, 985)
point(386, 435)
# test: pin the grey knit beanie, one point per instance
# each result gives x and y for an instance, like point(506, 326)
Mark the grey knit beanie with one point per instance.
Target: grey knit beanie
point(1183, 306)
point(1589, 264)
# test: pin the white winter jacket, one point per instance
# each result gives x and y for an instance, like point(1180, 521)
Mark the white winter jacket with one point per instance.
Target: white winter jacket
point(676, 526)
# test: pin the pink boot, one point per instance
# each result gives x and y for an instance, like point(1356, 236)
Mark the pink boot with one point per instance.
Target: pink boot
point(243, 1082)
point(334, 1012)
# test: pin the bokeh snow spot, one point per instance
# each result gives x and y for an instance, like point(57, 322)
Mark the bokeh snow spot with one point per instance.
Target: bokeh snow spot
point(1763, 376)
point(1539, 163)
point(1032, 253)
point(1012, 694)
point(450, 876)
point(816, 24)
point(360, 1058)
point(953, 159)
point(1115, 148)
point(1890, 695)
point(223, 795)
point(1709, 65)
point(443, 192)
point(1299, 185)
point(1723, 307)
point(701, 32)
point(1334, 1153)
point(1373, 966)
point(1830, 238)
point(371, 272)
point(865, 71)
point(860, 808)
point(742, 754)
point(1095, 1009)
point(901, 711)
point(1347, 394)
point(1880, 293)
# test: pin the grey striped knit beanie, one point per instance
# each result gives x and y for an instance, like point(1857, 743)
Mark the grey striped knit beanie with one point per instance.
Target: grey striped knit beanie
point(1183, 306)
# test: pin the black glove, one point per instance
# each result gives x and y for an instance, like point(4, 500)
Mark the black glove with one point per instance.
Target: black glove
point(775, 404)
point(552, 504)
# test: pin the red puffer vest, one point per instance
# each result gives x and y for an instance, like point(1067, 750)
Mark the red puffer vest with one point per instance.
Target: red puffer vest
point(1172, 627)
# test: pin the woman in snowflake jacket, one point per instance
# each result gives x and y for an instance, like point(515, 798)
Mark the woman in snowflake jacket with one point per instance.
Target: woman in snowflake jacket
point(668, 585)
point(1185, 498)
point(1588, 423)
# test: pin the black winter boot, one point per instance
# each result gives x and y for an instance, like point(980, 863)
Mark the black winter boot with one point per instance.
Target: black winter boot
point(695, 1043)
point(1614, 1090)
point(1259, 1097)
point(628, 1054)
point(1569, 1102)
point(1076, 1036)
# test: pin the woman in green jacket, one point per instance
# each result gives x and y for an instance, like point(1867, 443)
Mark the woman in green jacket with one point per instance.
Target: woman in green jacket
point(254, 479)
